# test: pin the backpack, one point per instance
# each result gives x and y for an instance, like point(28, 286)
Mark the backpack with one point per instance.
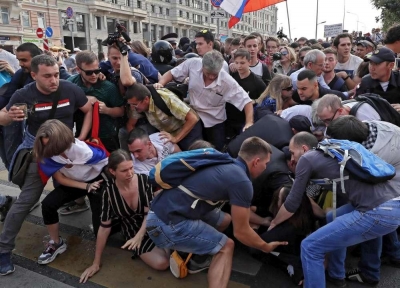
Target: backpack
point(381, 105)
point(177, 89)
point(357, 160)
point(170, 172)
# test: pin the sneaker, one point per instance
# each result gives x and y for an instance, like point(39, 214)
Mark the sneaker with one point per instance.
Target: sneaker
point(71, 203)
point(356, 276)
point(51, 251)
point(74, 208)
point(6, 207)
point(6, 266)
point(334, 281)
point(199, 263)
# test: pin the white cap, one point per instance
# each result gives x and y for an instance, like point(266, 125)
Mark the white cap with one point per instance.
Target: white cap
point(77, 50)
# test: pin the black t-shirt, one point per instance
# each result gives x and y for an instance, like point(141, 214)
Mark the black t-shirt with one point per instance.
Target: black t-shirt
point(322, 91)
point(254, 86)
point(71, 99)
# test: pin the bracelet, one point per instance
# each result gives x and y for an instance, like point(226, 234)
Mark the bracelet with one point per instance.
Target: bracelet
point(348, 76)
point(88, 186)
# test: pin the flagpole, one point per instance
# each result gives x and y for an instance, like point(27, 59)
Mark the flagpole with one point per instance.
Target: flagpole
point(288, 20)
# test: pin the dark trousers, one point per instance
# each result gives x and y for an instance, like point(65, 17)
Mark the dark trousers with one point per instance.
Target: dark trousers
point(215, 135)
point(195, 134)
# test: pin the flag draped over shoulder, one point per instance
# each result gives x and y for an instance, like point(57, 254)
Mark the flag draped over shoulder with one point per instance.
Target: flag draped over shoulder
point(237, 7)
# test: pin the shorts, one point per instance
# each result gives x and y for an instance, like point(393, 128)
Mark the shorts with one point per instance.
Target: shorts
point(190, 236)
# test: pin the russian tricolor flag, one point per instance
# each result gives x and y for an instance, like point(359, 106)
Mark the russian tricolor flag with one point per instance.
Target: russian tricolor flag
point(237, 7)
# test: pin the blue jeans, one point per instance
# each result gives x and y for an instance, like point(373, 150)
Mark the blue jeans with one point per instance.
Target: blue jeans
point(190, 236)
point(347, 230)
point(370, 261)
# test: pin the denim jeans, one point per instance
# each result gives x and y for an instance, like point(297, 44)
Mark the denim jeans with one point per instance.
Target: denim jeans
point(370, 261)
point(347, 230)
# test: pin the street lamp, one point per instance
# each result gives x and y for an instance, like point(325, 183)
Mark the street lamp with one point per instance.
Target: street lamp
point(357, 18)
point(317, 28)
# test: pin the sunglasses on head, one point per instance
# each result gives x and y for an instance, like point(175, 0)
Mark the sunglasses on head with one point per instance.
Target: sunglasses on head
point(90, 72)
point(204, 31)
point(288, 88)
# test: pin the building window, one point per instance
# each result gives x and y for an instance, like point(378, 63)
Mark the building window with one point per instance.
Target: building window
point(180, 13)
point(64, 21)
point(114, 1)
point(168, 30)
point(139, 4)
point(135, 27)
point(187, 2)
point(197, 4)
point(167, 11)
point(167, 1)
point(206, 19)
point(206, 7)
point(184, 32)
point(129, 3)
point(26, 21)
point(180, 2)
point(153, 8)
point(4, 15)
point(41, 20)
point(97, 22)
point(80, 25)
point(110, 25)
point(187, 15)
point(160, 10)
point(197, 18)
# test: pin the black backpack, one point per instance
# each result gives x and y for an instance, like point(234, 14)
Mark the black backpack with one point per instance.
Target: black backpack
point(382, 106)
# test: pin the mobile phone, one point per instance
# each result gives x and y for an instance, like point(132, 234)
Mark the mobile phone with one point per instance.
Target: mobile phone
point(398, 64)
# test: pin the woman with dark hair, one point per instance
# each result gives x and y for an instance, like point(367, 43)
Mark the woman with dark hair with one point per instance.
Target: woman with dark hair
point(294, 230)
point(127, 196)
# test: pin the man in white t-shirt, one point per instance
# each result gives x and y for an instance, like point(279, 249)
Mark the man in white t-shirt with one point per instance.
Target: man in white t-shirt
point(147, 150)
point(331, 107)
point(347, 65)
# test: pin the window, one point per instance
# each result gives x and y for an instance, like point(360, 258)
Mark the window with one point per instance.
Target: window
point(184, 32)
point(139, 4)
point(80, 25)
point(110, 25)
point(197, 18)
point(97, 22)
point(187, 15)
point(153, 8)
point(167, 11)
point(4, 15)
point(206, 19)
point(180, 13)
point(197, 4)
point(206, 7)
point(135, 27)
point(167, 1)
point(64, 21)
point(187, 2)
point(26, 21)
point(168, 30)
point(180, 2)
point(114, 1)
point(129, 3)
point(41, 20)
point(160, 10)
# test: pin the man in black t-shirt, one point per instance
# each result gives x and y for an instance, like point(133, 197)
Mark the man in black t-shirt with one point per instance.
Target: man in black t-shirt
point(39, 97)
point(251, 83)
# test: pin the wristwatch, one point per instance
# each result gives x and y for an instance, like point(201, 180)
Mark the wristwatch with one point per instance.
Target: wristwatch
point(347, 77)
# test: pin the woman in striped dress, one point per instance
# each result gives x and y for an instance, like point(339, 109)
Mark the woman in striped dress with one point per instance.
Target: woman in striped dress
point(127, 197)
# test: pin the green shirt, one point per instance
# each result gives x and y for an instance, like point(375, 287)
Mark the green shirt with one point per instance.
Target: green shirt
point(105, 92)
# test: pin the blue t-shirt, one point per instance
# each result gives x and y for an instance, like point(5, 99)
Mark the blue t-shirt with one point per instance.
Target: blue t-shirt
point(229, 182)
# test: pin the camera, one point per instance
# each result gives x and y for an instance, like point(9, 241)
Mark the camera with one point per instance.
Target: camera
point(277, 56)
point(280, 34)
point(114, 38)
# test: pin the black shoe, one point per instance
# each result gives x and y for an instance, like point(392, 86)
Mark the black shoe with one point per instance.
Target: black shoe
point(356, 276)
point(195, 266)
point(336, 282)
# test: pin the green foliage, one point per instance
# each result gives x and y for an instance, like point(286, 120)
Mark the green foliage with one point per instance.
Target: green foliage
point(390, 12)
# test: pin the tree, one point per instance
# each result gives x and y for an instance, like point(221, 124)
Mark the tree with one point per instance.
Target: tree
point(390, 12)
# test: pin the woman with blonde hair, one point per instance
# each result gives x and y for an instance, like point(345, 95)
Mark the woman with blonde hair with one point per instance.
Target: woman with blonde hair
point(139, 48)
point(77, 167)
point(287, 62)
point(277, 96)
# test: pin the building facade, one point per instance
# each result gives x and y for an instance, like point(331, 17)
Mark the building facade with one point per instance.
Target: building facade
point(145, 20)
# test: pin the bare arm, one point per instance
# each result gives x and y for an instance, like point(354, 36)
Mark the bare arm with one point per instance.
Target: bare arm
point(248, 111)
point(125, 72)
point(113, 112)
point(255, 219)
point(166, 78)
point(246, 235)
point(282, 216)
point(191, 120)
point(130, 124)
point(60, 178)
point(87, 109)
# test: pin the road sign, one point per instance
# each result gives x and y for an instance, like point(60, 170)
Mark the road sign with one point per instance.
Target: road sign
point(216, 3)
point(39, 32)
point(217, 14)
point(49, 32)
point(70, 12)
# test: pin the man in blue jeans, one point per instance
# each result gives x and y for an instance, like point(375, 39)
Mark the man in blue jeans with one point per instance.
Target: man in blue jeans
point(377, 212)
point(381, 138)
point(176, 222)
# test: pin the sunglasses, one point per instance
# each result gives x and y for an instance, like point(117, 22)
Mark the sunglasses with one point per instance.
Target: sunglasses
point(90, 72)
point(284, 53)
point(204, 31)
point(290, 88)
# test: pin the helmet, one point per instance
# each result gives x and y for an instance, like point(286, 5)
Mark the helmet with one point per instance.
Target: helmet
point(191, 55)
point(162, 52)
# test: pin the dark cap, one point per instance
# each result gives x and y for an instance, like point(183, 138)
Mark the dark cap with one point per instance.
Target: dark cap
point(170, 37)
point(366, 43)
point(300, 123)
point(179, 52)
point(183, 41)
point(381, 55)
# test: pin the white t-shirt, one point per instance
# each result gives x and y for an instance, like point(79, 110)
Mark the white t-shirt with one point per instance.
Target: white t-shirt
point(365, 113)
point(350, 67)
point(384, 85)
point(10, 58)
point(163, 150)
point(257, 69)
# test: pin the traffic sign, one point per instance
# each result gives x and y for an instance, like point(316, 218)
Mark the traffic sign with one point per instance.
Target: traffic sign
point(49, 32)
point(70, 12)
point(217, 14)
point(39, 32)
point(216, 3)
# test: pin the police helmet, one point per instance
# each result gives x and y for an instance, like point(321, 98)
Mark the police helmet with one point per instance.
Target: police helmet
point(162, 52)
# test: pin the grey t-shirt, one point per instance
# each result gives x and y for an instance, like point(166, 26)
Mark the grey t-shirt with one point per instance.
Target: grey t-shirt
point(363, 196)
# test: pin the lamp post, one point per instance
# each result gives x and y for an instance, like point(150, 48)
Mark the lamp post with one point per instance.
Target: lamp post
point(316, 22)
point(357, 18)
point(317, 28)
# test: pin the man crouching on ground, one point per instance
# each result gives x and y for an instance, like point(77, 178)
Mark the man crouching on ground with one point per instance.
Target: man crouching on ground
point(173, 224)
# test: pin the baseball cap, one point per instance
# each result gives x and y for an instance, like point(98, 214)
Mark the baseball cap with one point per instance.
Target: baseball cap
point(381, 55)
point(365, 43)
point(300, 123)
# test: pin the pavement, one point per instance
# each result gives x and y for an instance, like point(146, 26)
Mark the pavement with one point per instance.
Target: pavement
point(118, 269)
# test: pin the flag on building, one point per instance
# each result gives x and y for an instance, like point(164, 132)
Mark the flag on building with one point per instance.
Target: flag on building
point(237, 7)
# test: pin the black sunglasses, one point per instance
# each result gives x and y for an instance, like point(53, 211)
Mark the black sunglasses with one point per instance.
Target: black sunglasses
point(90, 72)
point(288, 88)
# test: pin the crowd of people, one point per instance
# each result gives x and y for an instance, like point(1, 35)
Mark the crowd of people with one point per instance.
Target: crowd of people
point(98, 124)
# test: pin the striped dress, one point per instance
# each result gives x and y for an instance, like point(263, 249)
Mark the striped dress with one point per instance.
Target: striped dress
point(114, 205)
